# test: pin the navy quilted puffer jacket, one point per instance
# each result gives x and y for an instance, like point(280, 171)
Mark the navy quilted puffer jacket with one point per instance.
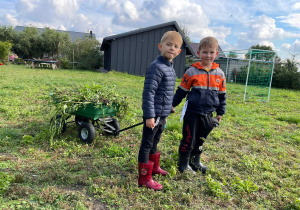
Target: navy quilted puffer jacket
point(159, 88)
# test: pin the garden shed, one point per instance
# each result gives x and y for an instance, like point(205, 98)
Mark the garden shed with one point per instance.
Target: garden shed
point(133, 51)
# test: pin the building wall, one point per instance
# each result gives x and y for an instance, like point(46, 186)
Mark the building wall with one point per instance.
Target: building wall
point(134, 53)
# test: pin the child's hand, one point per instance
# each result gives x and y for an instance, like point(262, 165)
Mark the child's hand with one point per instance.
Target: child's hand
point(219, 117)
point(150, 123)
point(173, 110)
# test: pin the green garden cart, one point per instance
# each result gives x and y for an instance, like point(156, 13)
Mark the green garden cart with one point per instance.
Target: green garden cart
point(91, 116)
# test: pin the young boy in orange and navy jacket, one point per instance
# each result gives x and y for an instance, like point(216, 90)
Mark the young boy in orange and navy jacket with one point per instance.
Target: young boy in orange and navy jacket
point(204, 85)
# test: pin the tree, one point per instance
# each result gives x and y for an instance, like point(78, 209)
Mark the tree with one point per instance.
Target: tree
point(7, 33)
point(52, 40)
point(29, 44)
point(286, 75)
point(186, 32)
point(86, 53)
point(4, 50)
point(232, 54)
point(258, 53)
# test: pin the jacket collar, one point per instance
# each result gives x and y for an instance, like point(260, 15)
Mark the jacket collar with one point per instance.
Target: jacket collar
point(199, 66)
point(165, 61)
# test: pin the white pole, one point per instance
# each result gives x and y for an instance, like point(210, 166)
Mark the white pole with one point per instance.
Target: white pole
point(73, 58)
point(227, 68)
point(247, 75)
point(271, 77)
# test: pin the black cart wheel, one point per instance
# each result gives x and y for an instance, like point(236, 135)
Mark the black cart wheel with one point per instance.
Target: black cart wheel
point(79, 120)
point(86, 132)
point(57, 123)
point(114, 123)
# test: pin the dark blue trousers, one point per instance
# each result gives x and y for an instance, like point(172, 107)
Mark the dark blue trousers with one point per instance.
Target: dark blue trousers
point(150, 139)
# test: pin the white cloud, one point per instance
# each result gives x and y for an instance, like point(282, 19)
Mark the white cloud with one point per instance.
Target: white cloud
point(267, 43)
point(130, 10)
point(293, 48)
point(26, 6)
point(228, 11)
point(262, 28)
point(286, 46)
point(296, 6)
point(124, 12)
point(81, 23)
point(62, 28)
point(47, 12)
point(292, 20)
point(65, 8)
point(10, 20)
point(296, 46)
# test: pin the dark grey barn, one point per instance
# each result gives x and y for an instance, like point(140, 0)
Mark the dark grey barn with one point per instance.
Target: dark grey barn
point(133, 51)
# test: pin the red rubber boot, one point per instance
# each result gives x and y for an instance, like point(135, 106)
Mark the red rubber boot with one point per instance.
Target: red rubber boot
point(145, 176)
point(156, 168)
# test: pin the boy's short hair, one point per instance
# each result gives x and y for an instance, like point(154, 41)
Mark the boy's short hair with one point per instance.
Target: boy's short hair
point(208, 41)
point(172, 34)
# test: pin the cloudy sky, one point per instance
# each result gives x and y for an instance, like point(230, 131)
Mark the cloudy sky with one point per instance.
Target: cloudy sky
point(237, 24)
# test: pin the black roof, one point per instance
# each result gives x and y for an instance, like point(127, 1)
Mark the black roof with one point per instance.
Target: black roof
point(73, 35)
point(106, 41)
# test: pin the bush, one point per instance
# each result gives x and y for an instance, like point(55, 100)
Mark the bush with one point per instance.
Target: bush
point(4, 50)
point(19, 61)
point(286, 75)
point(65, 63)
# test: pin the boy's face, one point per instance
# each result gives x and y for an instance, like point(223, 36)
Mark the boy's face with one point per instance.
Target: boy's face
point(207, 55)
point(170, 48)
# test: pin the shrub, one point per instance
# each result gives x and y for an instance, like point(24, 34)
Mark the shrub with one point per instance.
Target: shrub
point(5, 181)
point(4, 50)
point(65, 63)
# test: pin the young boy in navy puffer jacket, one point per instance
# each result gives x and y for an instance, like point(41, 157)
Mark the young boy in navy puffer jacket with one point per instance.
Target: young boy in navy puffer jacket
point(158, 95)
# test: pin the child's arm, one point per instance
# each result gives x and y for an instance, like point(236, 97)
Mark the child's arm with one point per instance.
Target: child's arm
point(222, 99)
point(153, 78)
point(150, 123)
point(182, 90)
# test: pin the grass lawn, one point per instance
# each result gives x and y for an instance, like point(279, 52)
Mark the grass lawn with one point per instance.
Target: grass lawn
point(254, 155)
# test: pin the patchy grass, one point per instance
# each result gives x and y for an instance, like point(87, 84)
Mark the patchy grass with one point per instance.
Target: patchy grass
point(253, 156)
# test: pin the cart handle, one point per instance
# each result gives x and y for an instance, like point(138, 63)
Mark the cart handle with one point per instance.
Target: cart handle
point(124, 129)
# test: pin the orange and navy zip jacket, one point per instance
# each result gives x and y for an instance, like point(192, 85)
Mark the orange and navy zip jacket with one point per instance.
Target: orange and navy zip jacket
point(205, 90)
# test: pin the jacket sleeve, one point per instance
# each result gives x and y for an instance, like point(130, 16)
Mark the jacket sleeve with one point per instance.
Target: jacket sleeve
point(222, 97)
point(182, 90)
point(153, 78)
point(221, 109)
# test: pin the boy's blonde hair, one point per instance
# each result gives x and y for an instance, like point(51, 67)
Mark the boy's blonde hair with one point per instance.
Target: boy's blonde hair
point(208, 42)
point(173, 35)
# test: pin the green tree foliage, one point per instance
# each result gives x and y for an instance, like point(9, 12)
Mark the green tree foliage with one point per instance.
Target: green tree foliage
point(286, 75)
point(186, 32)
point(29, 44)
point(87, 53)
point(232, 54)
point(7, 33)
point(52, 40)
point(257, 53)
point(4, 50)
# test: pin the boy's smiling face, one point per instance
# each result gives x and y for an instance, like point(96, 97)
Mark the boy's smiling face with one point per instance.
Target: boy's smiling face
point(207, 55)
point(170, 48)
